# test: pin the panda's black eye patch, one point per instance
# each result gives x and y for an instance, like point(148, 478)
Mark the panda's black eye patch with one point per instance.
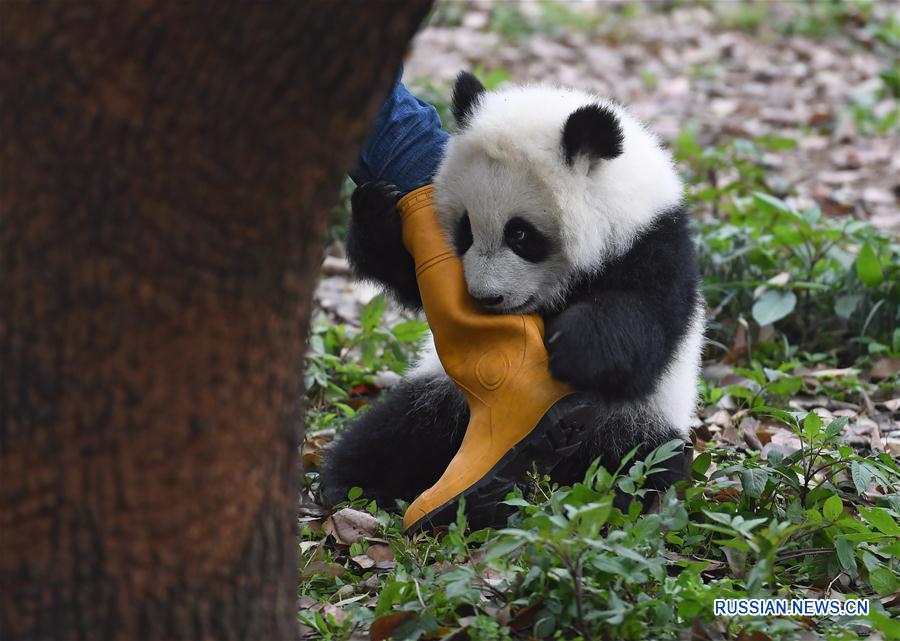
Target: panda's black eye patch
point(463, 237)
point(526, 240)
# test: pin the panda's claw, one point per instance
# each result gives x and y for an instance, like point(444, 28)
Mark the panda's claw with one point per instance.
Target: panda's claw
point(375, 199)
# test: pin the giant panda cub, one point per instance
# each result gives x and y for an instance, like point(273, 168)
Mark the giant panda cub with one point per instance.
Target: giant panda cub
point(558, 203)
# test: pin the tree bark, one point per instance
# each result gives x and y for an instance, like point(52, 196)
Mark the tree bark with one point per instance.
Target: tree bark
point(167, 174)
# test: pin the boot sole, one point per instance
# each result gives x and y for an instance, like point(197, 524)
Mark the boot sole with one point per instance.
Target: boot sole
point(558, 434)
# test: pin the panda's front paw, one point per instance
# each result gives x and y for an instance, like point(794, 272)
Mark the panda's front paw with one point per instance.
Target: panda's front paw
point(375, 242)
point(565, 352)
point(374, 202)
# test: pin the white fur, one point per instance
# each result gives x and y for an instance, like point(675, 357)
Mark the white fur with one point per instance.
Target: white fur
point(509, 161)
point(427, 365)
point(676, 394)
point(514, 138)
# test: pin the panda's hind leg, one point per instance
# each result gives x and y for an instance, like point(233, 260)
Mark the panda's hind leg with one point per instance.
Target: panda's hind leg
point(617, 429)
point(400, 446)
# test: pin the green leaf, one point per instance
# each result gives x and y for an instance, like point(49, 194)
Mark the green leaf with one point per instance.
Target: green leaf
point(389, 595)
point(787, 234)
point(773, 305)
point(812, 426)
point(776, 142)
point(862, 476)
point(753, 480)
point(409, 331)
point(503, 548)
point(883, 580)
point(868, 268)
point(836, 426)
point(771, 204)
point(368, 349)
point(833, 507)
point(881, 519)
point(845, 305)
point(354, 493)
point(893, 549)
point(346, 409)
point(844, 550)
point(458, 584)
point(371, 313)
point(669, 449)
point(885, 623)
point(701, 463)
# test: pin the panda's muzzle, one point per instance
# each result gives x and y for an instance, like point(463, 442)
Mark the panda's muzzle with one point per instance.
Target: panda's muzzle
point(488, 301)
point(518, 309)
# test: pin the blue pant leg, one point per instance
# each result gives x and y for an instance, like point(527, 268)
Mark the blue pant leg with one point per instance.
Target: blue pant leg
point(405, 144)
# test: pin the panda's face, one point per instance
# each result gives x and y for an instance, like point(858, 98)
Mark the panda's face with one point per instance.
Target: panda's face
point(505, 232)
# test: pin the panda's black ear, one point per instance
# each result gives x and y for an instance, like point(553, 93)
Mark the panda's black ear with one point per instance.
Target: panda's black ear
point(593, 130)
point(466, 92)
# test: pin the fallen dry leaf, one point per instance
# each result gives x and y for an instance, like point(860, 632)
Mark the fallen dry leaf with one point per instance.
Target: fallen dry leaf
point(728, 436)
point(723, 495)
point(523, 619)
point(312, 450)
point(336, 613)
point(892, 445)
point(383, 627)
point(701, 632)
point(305, 546)
point(305, 602)
point(865, 433)
point(722, 418)
point(885, 368)
point(321, 568)
point(738, 347)
point(834, 373)
point(348, 526)
point(749, 428)
point(380, 552)
point(783, 440)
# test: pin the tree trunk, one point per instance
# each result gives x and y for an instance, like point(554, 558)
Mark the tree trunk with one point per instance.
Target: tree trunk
point(167, 174)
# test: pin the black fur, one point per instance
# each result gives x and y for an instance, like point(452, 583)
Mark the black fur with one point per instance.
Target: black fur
point(375, 243)
point(617, 429)
point(526, 240)
point(400, 446)
point(612, 338)
point(621, 326)
point(466, 92)
point(462, 240)
point(593, 130)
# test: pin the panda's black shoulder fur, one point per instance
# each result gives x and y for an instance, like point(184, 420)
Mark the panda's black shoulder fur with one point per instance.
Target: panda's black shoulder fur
point(375, 243)
point(621, 324)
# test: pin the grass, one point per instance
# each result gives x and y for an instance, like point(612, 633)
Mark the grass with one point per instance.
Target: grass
point(571, 564)
point(803, 308)
point(791, 293)
point(826, 284)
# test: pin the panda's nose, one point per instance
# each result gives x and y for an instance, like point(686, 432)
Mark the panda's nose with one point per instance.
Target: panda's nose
point(488, 301)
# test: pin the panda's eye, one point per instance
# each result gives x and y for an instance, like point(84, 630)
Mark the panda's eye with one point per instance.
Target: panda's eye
point(463, 237)
point(526, 240)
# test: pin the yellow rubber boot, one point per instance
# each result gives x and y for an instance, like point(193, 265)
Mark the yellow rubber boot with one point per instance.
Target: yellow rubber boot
point(499, 362)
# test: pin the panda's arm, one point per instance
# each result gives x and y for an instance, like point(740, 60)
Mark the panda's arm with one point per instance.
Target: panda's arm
point(611, 344)
point(618, 337)
point(375, 243)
